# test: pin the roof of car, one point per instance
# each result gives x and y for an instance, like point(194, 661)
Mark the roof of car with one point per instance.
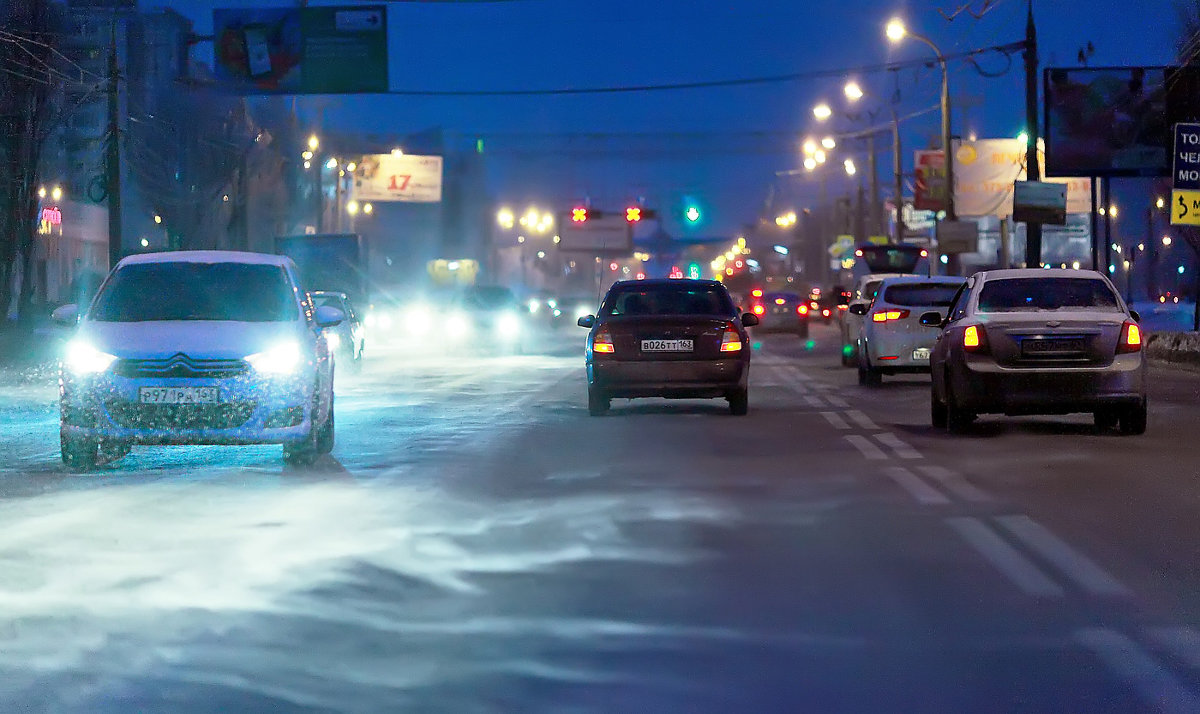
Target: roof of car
point(1038, 273)
point(206, 256)
point(659, 282)
point(942, 279)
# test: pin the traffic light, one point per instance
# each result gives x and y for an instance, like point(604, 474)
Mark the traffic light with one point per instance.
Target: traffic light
point(579, 214)
point(692, 214)
point(633, 214)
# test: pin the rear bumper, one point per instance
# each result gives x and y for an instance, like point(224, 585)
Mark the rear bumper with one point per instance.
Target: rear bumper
point(900, 346)
point(982, 386)
point(676, 379)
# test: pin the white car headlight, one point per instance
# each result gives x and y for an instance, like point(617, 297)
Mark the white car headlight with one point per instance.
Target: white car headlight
point(508, 325)
point(283, 358)
point(582, 311)
point(458, 325)
point(82, 358)
point(534, 305)
point(333, 340)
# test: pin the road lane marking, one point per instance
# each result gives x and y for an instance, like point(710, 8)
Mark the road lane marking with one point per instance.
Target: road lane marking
point(918, 489)
point(902, 449)
point(837, 401)
point(1005, 558)
point(835, 420)
point(956, 484)
point(1075, 565)
point(868, 449)
point(814, 401)
point(862, 420)
point(1181, 642)
point(1126, 659)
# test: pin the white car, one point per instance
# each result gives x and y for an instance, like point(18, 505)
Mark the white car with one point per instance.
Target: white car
point(892, 339)
point(849, 323)
point(197, 347)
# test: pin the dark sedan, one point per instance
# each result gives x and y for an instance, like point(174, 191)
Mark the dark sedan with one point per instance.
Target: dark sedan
point(678, 339)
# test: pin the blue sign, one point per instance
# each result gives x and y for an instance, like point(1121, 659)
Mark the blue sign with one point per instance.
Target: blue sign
point(1185, 172)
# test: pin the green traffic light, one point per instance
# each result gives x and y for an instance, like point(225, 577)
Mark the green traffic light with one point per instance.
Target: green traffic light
point(692, 214)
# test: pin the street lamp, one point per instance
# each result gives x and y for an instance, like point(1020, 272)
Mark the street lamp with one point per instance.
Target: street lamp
point(810, 147)
point(851, 169)
point(829, 143)
point(853, 91)
point(896, 31)
point(822, 111)
point(352, 207)
point(368, 208)
point(56, 193)
point(810, 163)
point(313, 143)
point(505, 218)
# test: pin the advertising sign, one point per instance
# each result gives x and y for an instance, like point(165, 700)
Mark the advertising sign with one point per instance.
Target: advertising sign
point(929, 189)
point(406, 178)
point(308, 50)
point(955, 237)
point(985, 171)
point(1106, 122)
point(1040, 202)
point(600, 234)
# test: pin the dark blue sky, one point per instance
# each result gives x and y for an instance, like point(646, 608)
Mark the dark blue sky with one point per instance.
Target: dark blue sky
point(584, 43)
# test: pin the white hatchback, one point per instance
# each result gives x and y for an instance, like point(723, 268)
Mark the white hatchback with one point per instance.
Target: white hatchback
point(891, 338)
point(197, 347)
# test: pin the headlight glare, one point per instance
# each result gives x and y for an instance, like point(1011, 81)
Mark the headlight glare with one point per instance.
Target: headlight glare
point(283, 358)
point(82, 358)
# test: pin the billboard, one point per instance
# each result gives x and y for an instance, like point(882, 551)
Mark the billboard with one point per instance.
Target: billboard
point(309, 50)
point(600, 234)
point(406, 178)
point(985, 171)
point(929, 188)
point(1106, 122)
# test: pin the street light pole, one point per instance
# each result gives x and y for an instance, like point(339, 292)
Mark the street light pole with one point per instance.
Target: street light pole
point(898, 168)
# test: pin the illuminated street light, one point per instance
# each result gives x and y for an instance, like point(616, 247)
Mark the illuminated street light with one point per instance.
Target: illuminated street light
point(819, 156)
point(810, 164)
point(829, 143)
point(791, 218)
point(145, 243)
point(313, 143)
point(56, 193)
point(307, 155)
point(851, 169)
point(853, 91)
point(1166, 240)
point(352, 207)
point(307, 165)
point(896, 30)
point(1112, 211)
point(351, 167)
point(1160, 203)
point(505, 218)
point(397, 151)
point(157, 218)
point(1023, 138)
point(331, 164)
point(822, 111)
point(810, 147)
point(368, 208)
point(42, 192)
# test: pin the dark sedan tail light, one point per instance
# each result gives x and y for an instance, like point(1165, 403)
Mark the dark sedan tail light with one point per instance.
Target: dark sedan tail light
point(975, 339)
point(603, 343)
point(1131, 338)
point(731, 341)
point(802, 310)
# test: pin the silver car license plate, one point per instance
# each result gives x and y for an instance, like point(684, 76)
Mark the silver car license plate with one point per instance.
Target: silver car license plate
point(666, 345)
point(921, 353)
point(178, 395)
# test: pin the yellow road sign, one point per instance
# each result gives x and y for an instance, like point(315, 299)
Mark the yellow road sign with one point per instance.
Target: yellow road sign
point(1185, 208)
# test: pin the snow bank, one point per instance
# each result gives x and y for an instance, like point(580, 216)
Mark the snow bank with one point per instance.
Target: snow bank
point(1182, 347)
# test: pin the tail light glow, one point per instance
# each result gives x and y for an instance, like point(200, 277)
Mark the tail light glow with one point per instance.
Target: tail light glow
point(825, 312)
point(731, 341)
point(756, 293)
point(888, 315)
point(758, 309)
point(975, 339)
point(780, 301)
point(802, 309)
point(1131, 338)
point(603, 342)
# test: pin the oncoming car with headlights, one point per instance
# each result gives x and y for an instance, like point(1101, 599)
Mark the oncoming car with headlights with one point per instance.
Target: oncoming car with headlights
point(197, 347)
point(487, 318)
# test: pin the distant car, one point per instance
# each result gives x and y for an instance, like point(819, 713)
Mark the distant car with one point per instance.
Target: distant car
point(782, 312)
point(486, 318)
point(347, 341)
point(892, 339)
point(568, 309)
point(1038, 342)
point(849, 323)
point(676, 339)
point(197, 347)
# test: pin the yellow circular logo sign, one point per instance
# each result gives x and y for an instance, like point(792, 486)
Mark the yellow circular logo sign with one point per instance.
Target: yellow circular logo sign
point(967, 154)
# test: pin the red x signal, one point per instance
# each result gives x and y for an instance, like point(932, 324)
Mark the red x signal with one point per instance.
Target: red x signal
point(579, 215)
point(633, 214)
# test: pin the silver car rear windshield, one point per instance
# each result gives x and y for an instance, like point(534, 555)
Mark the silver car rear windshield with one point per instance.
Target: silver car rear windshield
point(921, 294)
point(1034, 294)
point(152, 292)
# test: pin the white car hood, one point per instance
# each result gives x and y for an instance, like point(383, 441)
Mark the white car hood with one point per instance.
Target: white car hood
point(195, 338)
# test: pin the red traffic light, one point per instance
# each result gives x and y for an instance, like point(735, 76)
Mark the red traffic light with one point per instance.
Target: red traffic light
point(613, 267)
point(579, 214)
point(633, 214)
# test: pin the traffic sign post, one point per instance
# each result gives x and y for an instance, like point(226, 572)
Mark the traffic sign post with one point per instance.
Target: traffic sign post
point(1185, 176)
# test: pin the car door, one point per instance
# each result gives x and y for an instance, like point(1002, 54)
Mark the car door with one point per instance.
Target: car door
point(941, 349)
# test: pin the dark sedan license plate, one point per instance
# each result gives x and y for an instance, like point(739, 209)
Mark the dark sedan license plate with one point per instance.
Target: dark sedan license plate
point(666, 345)
point(1052, 346)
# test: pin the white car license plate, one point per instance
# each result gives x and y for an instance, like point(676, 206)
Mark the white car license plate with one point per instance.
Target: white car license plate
point(666, 345)
point(921, 353)
point(178, 395)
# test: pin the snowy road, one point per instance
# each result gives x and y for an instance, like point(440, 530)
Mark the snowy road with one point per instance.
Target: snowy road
point(477, 543)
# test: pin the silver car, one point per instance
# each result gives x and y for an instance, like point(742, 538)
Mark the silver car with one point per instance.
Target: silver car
point(1038, 342)
point(849, 323)
point(892, 340)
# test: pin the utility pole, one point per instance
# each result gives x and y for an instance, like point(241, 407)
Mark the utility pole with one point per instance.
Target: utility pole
point(1033, 231)
point(875, 224)
point(113, 155)
point(898, 168)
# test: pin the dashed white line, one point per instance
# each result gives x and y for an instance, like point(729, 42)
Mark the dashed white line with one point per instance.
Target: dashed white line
point(837, 401)
point(956, 484)
point(1005, 558)
point(866, 447)
point(814, 401)
point(902, 449)
point(1181, 642)
point(862, 420)
point(1130, 662)
point(918, 489)
point(1072, 563)
point(835, 420)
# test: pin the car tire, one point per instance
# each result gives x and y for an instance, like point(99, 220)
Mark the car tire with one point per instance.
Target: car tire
point(111, 451)
point(326, 435)
point(739, 402)
point(938, 415)
point(958, 420)
point(79, 455)
point(1133, 420)
point(598, 402)
point(304, 452)
point(1105, 419)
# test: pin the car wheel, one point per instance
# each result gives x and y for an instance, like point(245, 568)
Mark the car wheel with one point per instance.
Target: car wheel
point(958, 420)
point(1133, 420)
point(598, 402)
point(111, 451)
point(304, 452)
point(739, 402)
point(79, 454)
point(326, 434)
point(1105, 419)
point(937, 410)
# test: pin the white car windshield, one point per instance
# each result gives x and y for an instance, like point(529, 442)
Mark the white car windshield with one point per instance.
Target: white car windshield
point(236, 292)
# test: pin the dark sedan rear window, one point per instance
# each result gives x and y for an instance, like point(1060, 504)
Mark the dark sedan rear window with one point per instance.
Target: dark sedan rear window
point(670, 300)
point(920, 294)
point(1031, 294)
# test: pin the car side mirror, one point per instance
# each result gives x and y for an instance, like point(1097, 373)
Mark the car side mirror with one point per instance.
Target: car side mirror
point(749, 320)
point(327, 316)
point(1135, 315)
point(66, 316)
point(858, 308)
point(933, 319)
point(588, 321)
